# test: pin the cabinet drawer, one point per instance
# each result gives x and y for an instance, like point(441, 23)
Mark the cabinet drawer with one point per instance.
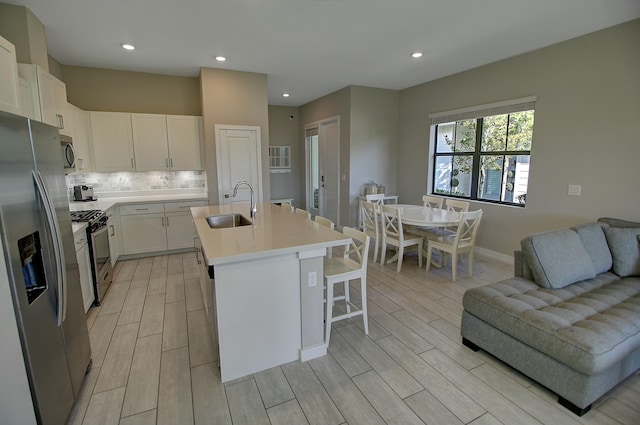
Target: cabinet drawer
point(80, 238)
point(141, 209)
point(182, 206)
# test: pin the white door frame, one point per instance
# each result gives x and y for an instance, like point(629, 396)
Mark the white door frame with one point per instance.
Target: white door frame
point(319, 124)
point(218, 129)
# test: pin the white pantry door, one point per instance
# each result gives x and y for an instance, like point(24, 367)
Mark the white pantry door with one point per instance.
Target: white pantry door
point(238, 156)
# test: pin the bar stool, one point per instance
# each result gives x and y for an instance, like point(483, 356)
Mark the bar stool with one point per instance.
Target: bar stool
point(303, 213)
point(352, 266)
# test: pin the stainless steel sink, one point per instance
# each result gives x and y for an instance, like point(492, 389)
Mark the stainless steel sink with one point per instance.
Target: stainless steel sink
point(227, 220)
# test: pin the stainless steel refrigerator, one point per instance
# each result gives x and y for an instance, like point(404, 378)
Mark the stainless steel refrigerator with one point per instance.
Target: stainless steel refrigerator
point(35, 228)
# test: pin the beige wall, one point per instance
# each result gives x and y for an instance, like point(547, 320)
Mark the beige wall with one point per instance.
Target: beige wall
point(233, 98)
point(25, 31)
point(334, 104)
point(97, 89)
point(284, 130)
point(55, 68)
point(373, 140)
point(585, 131)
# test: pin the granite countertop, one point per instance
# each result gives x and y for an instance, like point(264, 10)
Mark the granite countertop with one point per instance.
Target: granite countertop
point(274, 232)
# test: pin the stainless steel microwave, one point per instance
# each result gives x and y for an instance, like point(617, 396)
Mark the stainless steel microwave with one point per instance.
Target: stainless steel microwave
point(68, 154)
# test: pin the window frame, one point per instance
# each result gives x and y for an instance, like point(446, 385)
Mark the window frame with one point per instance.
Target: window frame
point(478, 114)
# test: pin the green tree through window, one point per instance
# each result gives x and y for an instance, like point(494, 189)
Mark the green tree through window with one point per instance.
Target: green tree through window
point(485, 158)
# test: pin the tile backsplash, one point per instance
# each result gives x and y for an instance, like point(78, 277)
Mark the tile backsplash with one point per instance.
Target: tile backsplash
point(114, 183)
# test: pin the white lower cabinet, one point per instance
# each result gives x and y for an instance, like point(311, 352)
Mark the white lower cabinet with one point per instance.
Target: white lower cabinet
point(84, 267)
point(157, 227)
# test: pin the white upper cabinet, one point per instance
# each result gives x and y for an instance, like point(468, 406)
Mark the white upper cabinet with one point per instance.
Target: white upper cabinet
point(166, 142)
point(185, 146)
point(150, 142)
point(9, 87)
point(28, 100)
point(81, 138)
point(112, 141)
point(51, 94)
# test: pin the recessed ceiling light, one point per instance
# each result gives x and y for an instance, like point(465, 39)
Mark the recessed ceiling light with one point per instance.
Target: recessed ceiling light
point(285, 94)
point(416, 55)
point(221, 58)
point(127, 46)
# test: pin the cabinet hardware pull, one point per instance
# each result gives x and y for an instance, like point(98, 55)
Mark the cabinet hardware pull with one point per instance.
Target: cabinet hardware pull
point(171, 162)
point(167, 220)
point(166, 162)
point(60, 120)
point(132, 163)
point(142, 209)
point(113, 230)
point(162, 218)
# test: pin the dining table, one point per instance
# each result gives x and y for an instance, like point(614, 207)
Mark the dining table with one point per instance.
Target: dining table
point(425, 218)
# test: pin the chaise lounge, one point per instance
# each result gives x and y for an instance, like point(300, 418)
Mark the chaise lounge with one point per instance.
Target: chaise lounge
point(570, 318)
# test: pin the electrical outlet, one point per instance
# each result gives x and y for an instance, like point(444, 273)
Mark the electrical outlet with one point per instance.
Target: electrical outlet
point(574, 189)
point(313, 279)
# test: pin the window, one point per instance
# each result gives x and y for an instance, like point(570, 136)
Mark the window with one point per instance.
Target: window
point(483, 154)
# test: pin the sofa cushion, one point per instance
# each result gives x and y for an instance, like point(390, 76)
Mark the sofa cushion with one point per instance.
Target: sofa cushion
point(589, 326)
point(616, 222)
point(625, 250)
point(557, 258)
point(595, 243)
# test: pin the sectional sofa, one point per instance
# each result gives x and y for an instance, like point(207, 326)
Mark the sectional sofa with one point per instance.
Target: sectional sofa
point(570, 318)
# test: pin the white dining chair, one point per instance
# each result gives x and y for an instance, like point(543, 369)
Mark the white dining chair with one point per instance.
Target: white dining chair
point(343, 269)
point(393, 234)
point(325, 222)
point(286, 206)
point(432, 201)
point(455, 205)
point(371, 224)
point(377, 198)
point(462, 242)
point(303, 213)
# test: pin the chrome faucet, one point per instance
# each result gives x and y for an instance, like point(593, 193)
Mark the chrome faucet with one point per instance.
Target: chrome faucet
point(235, 192)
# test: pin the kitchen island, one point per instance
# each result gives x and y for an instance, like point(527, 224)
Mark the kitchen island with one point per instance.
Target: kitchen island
point(262, 286)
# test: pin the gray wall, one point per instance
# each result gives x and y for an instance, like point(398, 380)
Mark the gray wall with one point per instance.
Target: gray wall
point(585, 131)
point(284, 130)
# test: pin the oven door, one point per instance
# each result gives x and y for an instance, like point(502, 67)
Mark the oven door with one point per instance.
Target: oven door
point(101, 262)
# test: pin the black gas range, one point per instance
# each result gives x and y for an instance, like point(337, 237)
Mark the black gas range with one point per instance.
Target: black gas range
point(98, 249)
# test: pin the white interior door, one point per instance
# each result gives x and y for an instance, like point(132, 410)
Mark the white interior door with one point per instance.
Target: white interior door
point(238, 153)
point(323, 168)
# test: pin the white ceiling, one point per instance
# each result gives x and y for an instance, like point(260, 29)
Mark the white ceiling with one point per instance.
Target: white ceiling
point(311, 48)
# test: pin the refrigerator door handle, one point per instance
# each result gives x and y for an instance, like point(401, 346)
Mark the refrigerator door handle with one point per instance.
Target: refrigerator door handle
point(57, 245)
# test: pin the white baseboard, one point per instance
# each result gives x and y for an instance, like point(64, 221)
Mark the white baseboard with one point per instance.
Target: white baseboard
point(494, 255)
point(313, 352)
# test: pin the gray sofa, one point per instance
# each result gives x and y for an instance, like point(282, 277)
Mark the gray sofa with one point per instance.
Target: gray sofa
point(570, 318)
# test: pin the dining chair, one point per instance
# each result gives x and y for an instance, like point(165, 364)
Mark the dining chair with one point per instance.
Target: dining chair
point(325, 222)
point(462, 242)
point(377, 198)
point(432, 201)
point(286, 206)
point(371, 223)
point(303, 213)
point(393, 234)
point(353, 265)
point(455, 205)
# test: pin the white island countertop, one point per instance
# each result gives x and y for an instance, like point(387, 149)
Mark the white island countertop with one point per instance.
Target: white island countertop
point(274, 232)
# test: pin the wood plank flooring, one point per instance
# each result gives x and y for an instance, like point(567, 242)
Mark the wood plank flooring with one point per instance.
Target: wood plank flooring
point(153, 361)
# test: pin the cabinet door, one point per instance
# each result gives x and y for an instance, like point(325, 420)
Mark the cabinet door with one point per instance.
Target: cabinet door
point(47, 97)
point(115, 243)
point(65, 122)
point(180, 230)
point(143, 233)
point(184, 142)
point(150, 142)
point(112, 141)
point(27, 100)
point(9, 88)
point(86, 281)
point(81, 138)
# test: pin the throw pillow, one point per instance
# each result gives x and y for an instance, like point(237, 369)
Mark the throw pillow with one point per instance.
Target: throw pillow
point(625, 250)
point(595, 243)
point(557, 258)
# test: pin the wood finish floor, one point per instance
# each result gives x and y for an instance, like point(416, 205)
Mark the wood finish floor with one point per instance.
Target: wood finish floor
point(153, 361)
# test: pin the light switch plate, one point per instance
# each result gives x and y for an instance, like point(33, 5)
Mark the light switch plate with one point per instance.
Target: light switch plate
point(313, 279)
point(574, 189)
